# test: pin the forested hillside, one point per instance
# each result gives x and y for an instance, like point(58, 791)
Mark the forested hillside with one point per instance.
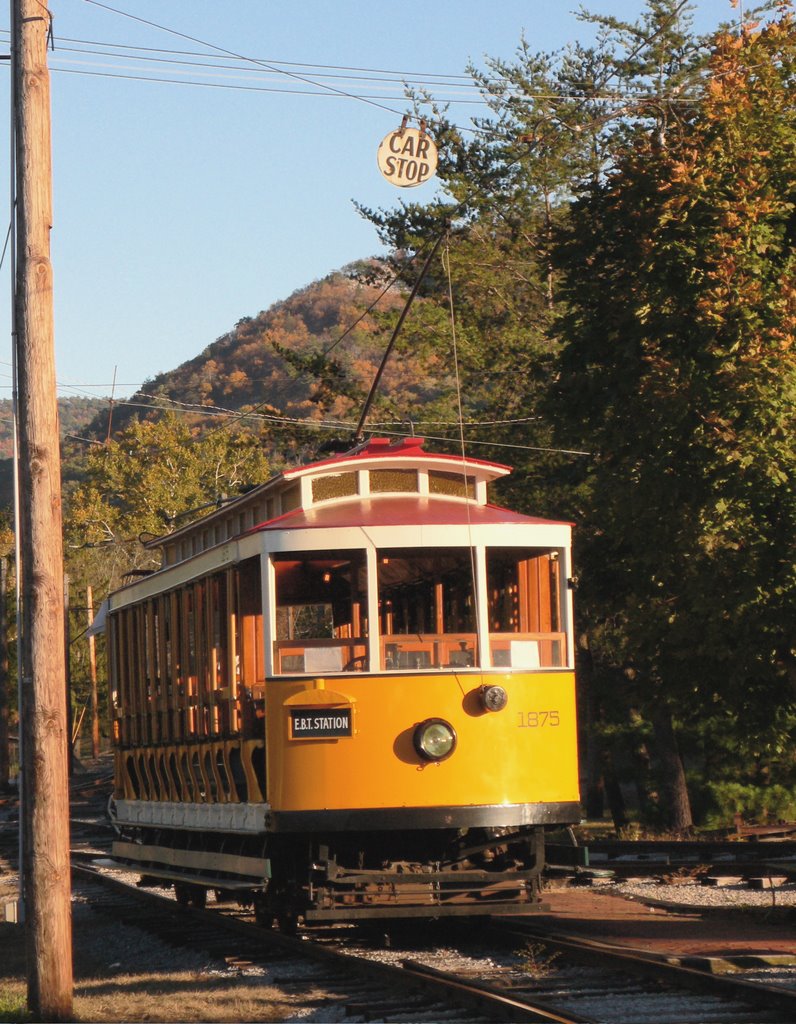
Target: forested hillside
point(309, 358)
point(74, 414)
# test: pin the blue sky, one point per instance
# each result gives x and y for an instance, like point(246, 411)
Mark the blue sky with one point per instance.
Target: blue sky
point(180, 209)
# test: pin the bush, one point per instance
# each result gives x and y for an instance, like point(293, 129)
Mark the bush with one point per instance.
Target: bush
point(753, 803)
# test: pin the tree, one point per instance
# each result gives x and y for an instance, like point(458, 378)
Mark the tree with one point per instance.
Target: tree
point(150, 480)
point(639, 121)
point(678, 364)
point(552, 129)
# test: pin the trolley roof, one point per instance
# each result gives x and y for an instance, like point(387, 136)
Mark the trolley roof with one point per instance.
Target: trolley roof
point(380, 483)
point(398, 512)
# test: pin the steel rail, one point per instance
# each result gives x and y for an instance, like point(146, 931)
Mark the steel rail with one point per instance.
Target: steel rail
point(489, 998)
point(661, 967)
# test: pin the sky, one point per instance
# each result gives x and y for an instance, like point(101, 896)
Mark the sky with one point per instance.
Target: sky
point(180, 208)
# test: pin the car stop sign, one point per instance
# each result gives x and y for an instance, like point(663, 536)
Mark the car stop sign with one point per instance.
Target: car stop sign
point(407, 157)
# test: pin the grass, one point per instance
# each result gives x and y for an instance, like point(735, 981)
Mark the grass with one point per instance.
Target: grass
point(13, 1004)
point(13, 986)
point(121, 974)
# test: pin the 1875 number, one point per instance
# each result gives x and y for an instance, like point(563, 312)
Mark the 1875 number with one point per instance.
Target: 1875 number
point(537, 719)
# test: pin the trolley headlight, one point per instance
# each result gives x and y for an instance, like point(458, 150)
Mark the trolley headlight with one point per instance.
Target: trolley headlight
point(435, 739)
point(494, 698)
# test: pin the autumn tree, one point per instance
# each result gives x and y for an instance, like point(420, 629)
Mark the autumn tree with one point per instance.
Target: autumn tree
point(678, 366)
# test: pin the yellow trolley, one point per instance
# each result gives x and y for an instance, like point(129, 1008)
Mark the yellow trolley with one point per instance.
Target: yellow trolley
point(349, 694)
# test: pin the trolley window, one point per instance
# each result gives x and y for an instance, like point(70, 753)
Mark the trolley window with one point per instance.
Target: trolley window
point(321, 612)
point(525, 623)
point(427, 608)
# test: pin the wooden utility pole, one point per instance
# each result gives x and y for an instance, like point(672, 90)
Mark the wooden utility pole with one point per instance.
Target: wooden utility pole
point(92, 667)
point(45, 790)
point(4, 680)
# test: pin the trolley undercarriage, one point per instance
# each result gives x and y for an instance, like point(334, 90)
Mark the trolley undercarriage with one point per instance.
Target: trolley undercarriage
point(349, 876)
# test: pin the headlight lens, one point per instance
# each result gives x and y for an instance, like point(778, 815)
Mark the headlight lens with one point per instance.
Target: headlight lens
point(435, 739)
point(494, 698)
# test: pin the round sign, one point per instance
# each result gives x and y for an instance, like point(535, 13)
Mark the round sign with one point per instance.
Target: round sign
point(407, 157)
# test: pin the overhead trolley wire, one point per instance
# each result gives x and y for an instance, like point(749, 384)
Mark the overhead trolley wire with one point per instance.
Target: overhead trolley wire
point(353, 74)
point(401, 75)
point(234, 88)
point(120, 73)
point(240, 56)
point(278, 68)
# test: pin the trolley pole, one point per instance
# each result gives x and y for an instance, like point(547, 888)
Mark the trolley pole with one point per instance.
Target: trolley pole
point(45, 789)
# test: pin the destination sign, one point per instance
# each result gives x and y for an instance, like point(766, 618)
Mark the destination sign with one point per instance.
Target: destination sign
point(319, 723)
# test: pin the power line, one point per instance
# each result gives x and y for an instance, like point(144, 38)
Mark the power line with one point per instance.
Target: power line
point(238, 88)
point(265, 60)
point(292, 421)
point(239, 56)
point(119, 72)
point(461, 83)
point(271, 61)
point(320, 87)
point(377, 76)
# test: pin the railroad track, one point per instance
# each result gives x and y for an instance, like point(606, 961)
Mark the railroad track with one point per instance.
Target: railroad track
point(365, 988)
point(658, 988)
point(562, 978)
point(659, 857)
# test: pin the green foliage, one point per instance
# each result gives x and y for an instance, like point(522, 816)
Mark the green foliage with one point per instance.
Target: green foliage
point(753, 803)
point(537, 960)
point(678, 362)
point(156, 471)
point(73, 415)
point(153, 477)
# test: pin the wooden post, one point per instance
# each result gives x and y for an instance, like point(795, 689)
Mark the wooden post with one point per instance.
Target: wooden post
point(4, 755)
point(92, 666)
point(45, 790)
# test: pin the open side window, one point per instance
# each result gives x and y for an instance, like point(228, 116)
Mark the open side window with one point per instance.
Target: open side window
point(321, 612)
point(427, 605)
point(525, 622)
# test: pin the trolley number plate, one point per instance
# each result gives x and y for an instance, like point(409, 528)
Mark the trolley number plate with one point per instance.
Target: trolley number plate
point(330, 722)
point(537, 719)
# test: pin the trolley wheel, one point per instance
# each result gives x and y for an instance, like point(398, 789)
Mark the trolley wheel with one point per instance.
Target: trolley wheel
point(288, 921)
point(263, 914)
point(188, 894)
